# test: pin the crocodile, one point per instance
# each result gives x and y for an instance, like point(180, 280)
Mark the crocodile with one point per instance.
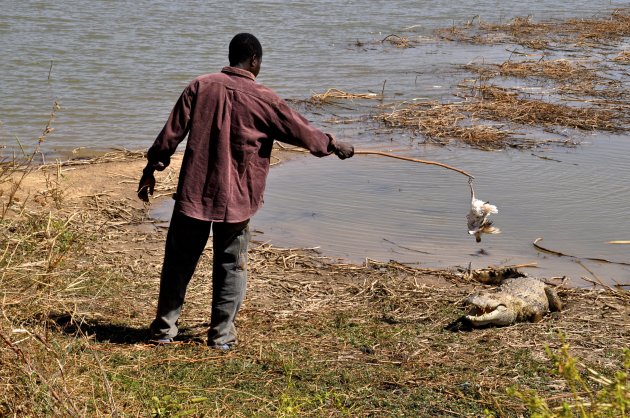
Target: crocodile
point(515, 300)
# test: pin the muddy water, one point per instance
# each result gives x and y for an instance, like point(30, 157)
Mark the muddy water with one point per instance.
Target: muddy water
point(117, 70)
point(386, 209)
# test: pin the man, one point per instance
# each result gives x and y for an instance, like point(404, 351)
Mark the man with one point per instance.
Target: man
point(231, 122)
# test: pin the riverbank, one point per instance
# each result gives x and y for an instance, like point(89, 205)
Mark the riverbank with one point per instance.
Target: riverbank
point(80, 263)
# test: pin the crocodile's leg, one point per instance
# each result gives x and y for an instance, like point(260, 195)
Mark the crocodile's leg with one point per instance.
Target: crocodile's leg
point(555, 304)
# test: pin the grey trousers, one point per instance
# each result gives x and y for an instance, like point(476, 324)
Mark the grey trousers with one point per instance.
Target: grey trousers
point(185, 242)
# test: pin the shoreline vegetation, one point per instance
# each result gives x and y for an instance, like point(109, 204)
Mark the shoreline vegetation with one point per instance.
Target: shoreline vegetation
point(80, 265)
point(569, 74)
point(80, 261)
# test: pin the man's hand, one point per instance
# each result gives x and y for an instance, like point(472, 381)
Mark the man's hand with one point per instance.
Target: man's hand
point(147, 182)
point(146, 186)
point(344, 150)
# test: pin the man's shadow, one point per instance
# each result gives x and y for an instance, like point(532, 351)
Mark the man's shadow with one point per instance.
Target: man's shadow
point(98, 331)
point(104, 332)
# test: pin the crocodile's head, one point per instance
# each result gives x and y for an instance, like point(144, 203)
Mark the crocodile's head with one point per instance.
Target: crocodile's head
point(488, 309)
point(515, 300)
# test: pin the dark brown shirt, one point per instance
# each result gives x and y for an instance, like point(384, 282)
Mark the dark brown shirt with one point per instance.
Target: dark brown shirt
point(231, 122)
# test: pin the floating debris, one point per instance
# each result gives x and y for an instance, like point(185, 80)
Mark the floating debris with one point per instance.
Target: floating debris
point(571, 78)
point(623, 57)
point(336, 94)
point(397, 41)
point(479, 120)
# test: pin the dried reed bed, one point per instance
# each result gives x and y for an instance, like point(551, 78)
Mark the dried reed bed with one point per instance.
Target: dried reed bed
point(542, 35)
point(601, 100)
point(559, 69)
point(496, 103)
point(612, 28)
point(443, 122)
point(569, 77)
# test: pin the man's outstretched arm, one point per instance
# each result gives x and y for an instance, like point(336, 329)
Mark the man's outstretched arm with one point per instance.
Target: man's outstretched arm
point(174, 132)
point(294, 129)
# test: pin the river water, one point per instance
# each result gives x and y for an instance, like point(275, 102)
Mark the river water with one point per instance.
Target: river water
point(117, 68)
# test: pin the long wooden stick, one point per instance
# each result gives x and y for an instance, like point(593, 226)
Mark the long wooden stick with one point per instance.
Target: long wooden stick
point(415, 160)
point(558, 253)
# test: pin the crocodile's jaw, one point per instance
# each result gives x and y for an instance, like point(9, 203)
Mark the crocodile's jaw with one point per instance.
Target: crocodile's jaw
point(500, 315)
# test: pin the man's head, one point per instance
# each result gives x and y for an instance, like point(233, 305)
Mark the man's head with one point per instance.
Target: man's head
point(246, 53)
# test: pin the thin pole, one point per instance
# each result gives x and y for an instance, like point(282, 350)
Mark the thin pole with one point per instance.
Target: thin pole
point(50, 69)
point(415, 160)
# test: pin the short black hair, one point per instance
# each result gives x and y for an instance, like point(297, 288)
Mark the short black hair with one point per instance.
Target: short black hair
point(242, 47)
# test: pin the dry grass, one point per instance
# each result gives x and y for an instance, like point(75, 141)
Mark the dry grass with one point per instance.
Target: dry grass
point(318, 337)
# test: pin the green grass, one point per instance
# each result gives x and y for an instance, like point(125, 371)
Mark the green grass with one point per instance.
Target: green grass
point(284, 376)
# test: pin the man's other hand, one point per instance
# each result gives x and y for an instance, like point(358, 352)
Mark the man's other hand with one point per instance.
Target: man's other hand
point(344, 150)
point(146, 186)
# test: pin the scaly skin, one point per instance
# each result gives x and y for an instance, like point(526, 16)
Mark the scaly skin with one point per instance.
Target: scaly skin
point(516, 300)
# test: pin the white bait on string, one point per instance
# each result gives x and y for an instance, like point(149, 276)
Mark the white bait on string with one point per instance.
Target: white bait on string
point(478, 222)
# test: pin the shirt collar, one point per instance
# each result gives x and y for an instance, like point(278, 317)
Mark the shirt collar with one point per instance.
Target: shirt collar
point(239, 72)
